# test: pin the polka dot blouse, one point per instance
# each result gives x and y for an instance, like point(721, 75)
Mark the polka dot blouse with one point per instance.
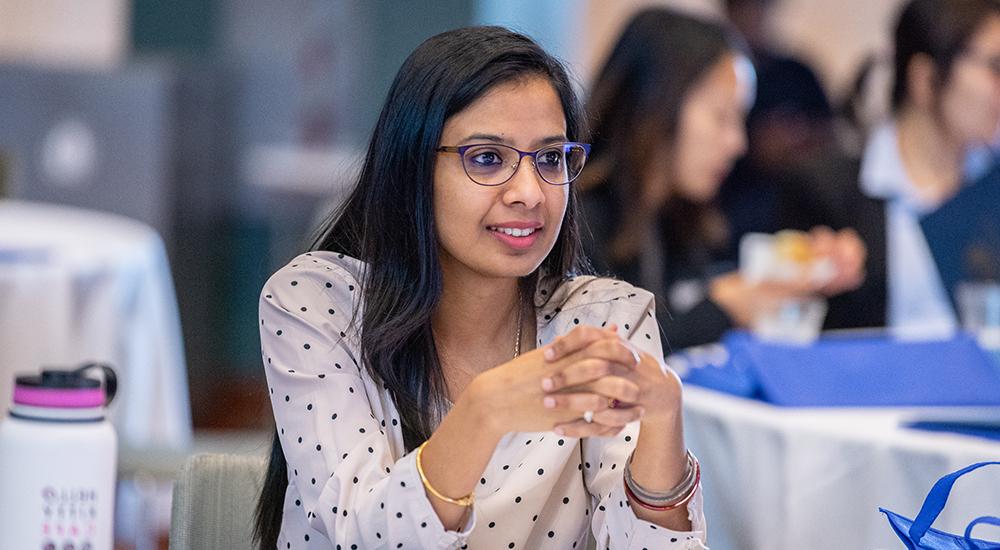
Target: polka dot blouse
point(351, 485)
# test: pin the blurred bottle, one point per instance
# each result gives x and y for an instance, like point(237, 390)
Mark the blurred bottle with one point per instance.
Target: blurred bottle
point(979, 307)
point(58, 459)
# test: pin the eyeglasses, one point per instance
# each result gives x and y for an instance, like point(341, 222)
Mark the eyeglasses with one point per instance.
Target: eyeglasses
point(494, 164)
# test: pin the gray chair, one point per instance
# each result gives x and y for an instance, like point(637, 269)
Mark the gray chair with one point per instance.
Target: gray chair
point(214, 500)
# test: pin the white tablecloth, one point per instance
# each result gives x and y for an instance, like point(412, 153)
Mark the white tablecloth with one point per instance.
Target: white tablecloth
point(78, 285)
point(784, 479)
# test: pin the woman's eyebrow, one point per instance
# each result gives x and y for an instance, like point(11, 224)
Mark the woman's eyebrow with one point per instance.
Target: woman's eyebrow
point(559, 138)
point(485, 137)
point(499, 139)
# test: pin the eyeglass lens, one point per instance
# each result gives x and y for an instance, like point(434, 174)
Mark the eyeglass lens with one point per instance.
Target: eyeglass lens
point(495, 164)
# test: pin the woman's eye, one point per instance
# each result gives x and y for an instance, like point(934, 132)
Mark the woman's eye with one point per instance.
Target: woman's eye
point(550, 158)
point(486, 158)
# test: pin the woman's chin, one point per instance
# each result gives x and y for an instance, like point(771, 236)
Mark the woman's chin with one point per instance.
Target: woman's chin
point(520, 268)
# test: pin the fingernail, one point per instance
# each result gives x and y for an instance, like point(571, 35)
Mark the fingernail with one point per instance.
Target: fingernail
point(547, 384)
point(549, 354)
point(560, 431)
point(549, 402)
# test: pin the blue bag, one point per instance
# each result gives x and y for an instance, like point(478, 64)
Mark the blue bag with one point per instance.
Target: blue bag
point(917, 534)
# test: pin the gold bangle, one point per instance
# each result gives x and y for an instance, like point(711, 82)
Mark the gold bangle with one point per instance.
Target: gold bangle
point(465, 501)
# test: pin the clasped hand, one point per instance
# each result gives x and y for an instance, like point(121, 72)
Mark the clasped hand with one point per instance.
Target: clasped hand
point(590, 371)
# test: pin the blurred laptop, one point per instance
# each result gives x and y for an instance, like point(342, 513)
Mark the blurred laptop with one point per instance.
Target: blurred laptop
point(964, 234)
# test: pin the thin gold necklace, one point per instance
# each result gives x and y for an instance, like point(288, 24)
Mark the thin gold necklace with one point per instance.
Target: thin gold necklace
point(517, 337)
point(517, 334)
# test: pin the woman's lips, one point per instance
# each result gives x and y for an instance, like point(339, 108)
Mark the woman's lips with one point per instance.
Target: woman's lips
point(518, 238)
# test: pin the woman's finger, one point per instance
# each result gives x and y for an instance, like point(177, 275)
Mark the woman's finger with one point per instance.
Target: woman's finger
point(822, 240)
point(618, 417)
point(851, 251)
point(617, 350)
point(582, 372)
point(578, 369)
point(800, 286)
point(619, 388)
point(848, 256)
point(577, 402)
point(577, 339)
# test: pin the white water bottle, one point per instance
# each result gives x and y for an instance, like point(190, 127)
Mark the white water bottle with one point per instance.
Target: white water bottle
point(57, 463)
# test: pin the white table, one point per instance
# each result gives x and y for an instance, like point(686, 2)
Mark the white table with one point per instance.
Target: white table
point(78, 285)
point(783, 479)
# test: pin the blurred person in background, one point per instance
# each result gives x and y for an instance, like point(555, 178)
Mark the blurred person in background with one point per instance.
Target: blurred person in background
point(668, 112)
point(911, 196)
point(442, 372)
point(790, 125)
point(791, 121)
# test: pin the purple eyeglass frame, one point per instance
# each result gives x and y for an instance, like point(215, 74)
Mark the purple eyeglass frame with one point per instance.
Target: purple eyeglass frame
point(461, 149)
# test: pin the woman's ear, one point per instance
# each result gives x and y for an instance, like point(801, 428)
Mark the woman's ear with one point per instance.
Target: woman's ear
point(922, 82)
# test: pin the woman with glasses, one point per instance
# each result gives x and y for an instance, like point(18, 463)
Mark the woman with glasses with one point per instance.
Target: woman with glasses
point(668, 112)
point(443, 372)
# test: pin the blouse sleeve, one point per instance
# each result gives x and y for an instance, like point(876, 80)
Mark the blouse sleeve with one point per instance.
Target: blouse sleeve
point(614, 523)
point(354, 489)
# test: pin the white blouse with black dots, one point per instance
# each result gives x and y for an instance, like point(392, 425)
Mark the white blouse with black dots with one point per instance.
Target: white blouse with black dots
point(350, 483)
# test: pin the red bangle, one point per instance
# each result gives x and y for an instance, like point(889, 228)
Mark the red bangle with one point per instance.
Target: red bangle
point(681, 502)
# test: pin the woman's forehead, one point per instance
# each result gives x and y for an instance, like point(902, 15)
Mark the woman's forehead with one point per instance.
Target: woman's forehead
point(986, 39)
point(525, 110)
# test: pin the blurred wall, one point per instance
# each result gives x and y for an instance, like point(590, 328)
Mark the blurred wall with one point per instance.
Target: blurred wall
point(68, 33)
point(185, 27)
point(606, 20)
point(836, 35)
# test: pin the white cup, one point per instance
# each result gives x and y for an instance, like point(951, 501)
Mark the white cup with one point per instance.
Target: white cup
point(796, 321)
point(979, 308)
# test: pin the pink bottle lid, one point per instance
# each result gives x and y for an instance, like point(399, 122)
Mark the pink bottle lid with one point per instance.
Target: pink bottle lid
point(64, 389)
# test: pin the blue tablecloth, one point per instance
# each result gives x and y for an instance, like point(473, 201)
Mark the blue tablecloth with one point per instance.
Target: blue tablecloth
point(870, 370)
point(964, 429)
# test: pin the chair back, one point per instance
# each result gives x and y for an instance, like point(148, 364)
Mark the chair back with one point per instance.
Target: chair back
point(214, 500)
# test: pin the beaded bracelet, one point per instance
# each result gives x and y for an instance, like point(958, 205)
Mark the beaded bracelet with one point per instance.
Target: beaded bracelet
point(676, 497)
point(465, 501)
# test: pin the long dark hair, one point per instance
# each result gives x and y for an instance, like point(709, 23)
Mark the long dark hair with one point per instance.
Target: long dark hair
point(635, 106)
point(940, 29)
point(388, 223)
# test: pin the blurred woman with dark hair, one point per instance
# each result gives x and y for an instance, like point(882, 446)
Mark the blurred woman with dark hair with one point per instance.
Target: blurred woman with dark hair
point(668, 112)
point(443, 372)
point(945, 104)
